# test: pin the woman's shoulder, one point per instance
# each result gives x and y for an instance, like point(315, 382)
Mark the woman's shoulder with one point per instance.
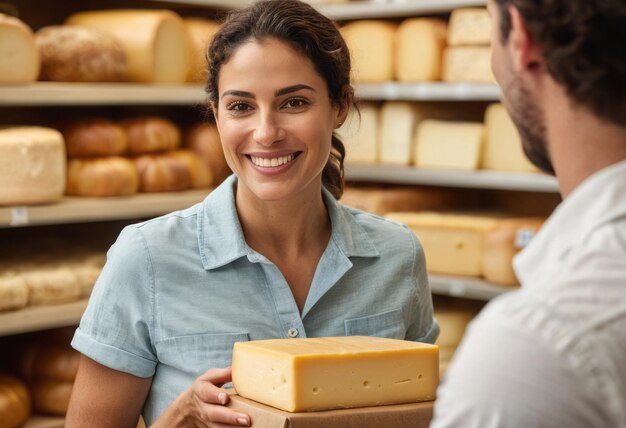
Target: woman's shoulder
point(382, 229)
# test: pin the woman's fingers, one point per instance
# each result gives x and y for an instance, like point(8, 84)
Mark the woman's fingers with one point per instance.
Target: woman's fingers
point(223, 415)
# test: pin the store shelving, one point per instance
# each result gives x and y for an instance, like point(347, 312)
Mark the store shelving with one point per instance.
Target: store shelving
point(41, 317)
point(428, 91)
point(468, 288)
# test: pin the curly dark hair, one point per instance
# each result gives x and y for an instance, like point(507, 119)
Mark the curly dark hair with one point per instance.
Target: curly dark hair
point(583, 44)
point(307, 31)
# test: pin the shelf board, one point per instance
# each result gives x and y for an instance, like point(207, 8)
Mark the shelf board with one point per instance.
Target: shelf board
point(467, 288)
point(79, 210)
point(481, 179)
point(428, 91)
point(41, 317)
point(44, 422)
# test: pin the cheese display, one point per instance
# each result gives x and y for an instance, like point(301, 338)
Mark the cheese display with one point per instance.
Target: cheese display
point(155, 42)
point(398, 120)
point(201, 32)
point(77, 54)
point(299, 375)
point(470, 64)
point(32, 165)
point(419, 49)
point(371, 45)
point(162, 173)
point(204, 140)
point(469, 26)
point(19, 56)
point(15, 402)
point(151, 135)
point(503, 147)
point(448, 145)
point(104, 176)
point(95, 137)
point(360, 135)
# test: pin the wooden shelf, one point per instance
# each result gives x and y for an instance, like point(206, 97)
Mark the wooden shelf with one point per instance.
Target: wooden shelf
point(41, 317)
point(481, 179)
point(468, 288)
point(79, 210)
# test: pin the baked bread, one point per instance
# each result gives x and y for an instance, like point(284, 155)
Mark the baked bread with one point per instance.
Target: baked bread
point(162, 173)
point(79, 54)
point(14, 402)
point(204, 139)
point(19, 56)
point(51, 397)
point(13, 292)
point(199, 173)
point(95, 137)
point(201, 31)
point(51, 285)
point(107, 176)
point(151, 135)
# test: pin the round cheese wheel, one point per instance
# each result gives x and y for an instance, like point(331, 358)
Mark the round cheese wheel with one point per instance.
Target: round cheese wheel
point(19, 56)
point(371, 44)
point(107, 176)
point(14, 402)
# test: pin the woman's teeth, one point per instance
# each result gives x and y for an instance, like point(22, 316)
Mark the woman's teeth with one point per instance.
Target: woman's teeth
point(271, 162)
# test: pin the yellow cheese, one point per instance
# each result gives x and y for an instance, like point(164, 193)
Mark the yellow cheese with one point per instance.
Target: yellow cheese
point(371, 45)
point(469, 26)
point(156, 42)
point(360, 135)
point(201, 31)
point(503, 146)
point(470, 64)
point(19, 56)
point(398, 124)
point(420, 45)
point(448, 145)
point(299, 375)
point(32, 165)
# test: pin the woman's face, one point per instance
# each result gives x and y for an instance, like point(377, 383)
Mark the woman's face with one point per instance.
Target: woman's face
point(275, 120)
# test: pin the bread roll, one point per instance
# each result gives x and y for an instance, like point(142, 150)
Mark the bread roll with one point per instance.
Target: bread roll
point(13, 291)
point(201, 31)
point(108, 176)
point(14, 402)
point(150, 135)
point(204, 139)
point(51, 397)
point(78, 54)
point(95, 137)
point(199, 173)
point(55, 362)
point(162, 173)
point(19, 56)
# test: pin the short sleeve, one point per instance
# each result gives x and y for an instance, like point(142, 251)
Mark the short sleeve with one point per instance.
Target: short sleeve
point(116, 327)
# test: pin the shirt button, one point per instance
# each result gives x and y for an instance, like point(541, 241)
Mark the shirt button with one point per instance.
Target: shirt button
point(293, 332)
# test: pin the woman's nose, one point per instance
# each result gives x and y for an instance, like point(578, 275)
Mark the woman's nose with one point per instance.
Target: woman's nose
point(268, 129)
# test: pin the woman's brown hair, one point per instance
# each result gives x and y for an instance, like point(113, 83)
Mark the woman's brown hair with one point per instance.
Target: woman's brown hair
point(300, 26)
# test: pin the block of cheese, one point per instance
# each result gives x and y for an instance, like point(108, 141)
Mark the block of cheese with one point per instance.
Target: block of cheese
point(453, 318)
point(32, 165)
point(420, 43)
point(398, 119)
point(361, 135)
point(300, 375)
point(503, 146)
point(371, 45)
point(156, 42)
point(201, 31)
point(470, 64)
point(469, 26)
point(19, 56)
point(448, 145)
point(453, 243)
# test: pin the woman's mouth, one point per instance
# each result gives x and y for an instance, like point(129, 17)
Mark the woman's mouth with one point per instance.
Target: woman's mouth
point(272, 162)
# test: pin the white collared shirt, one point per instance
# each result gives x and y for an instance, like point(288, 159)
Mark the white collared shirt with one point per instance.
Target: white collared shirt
point(552, 354)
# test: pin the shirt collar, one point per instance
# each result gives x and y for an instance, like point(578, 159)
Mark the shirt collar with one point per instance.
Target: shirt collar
point(599, 199)
point(221, 240)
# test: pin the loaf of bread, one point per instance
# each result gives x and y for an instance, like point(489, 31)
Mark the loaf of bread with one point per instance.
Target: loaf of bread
point(151, 135)
point(13, 291)
point(15, 402)
point(201, 31)
point(106, 176)
point(51, 397)
point(371, 44)
point(199, 173)
point(95, 137)
point(204, 139)
point(420, 44)
point(155, 42)
point(79, 54)
point(32, 165)
point(49, 285)
point(162, 173)
point(19, 56)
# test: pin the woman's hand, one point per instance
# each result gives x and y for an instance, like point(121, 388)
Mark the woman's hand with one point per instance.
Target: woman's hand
point(203, 404)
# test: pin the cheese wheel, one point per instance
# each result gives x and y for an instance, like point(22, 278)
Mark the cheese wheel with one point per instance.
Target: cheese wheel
point(106, 176)
point(151, 135)
point(204, 140)
point(360, 135)
point(471, 64)
point(19, 56)
point(13, 291)
point(469, 26)
point(371, 44)
point(199, 173)
point(14, 402)
point(95, 137)
point(32, 165)
point(201, 31)
point(420, 45)
point(162, 173)
point(156, 42)
point(51, 397)
point(398, 125)
point(448, 145)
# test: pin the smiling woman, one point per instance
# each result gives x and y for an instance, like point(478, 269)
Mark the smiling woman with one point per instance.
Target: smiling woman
point(268, 254)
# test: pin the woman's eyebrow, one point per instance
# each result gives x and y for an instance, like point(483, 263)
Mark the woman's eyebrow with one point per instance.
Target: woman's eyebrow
point(238, 93)
point(293, 88)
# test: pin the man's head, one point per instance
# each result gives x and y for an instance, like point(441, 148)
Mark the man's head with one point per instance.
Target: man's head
point(578, 43)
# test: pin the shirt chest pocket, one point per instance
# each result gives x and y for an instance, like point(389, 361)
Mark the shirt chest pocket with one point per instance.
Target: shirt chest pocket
point(195, 354)
point(388, 324)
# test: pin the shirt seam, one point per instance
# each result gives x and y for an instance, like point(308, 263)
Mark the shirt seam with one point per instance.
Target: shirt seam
point(152, 287)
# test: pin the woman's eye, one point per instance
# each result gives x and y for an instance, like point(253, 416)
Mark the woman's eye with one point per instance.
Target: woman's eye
point(238, 107)
point(296, 102)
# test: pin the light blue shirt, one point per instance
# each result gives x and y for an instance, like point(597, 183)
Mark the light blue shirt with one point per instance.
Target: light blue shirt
point(179, 290)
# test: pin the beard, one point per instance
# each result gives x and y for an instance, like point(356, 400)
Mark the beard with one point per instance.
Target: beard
point(530, 122)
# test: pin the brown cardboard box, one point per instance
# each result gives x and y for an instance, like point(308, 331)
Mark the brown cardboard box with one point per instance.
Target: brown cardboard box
point(414, 415)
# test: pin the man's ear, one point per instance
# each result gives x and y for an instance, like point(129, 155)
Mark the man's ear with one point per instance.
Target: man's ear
point(524, 50)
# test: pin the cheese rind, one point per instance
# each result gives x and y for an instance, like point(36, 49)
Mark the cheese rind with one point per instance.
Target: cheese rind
point(398, 123)
point(448, 145)
point(469, 26)
point(371, 45)
point(420, 45)
point(19, 56)
point(298, 375)
point(360, 135)
point(470, 64)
